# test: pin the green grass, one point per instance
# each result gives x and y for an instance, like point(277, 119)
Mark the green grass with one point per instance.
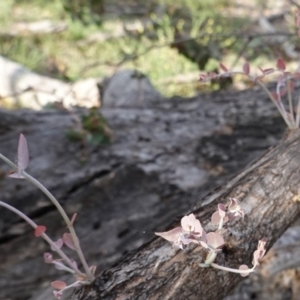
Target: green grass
point(75, 60)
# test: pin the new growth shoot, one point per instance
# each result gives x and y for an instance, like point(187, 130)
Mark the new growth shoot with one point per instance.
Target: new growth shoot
point(290, 109)
point(191, 231)
point(68, 239)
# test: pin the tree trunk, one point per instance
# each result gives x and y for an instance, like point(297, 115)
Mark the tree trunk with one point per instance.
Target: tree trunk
point(269, 192)
point(162, 162)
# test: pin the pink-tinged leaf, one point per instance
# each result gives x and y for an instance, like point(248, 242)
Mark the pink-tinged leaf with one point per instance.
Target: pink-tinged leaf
point(222, 210)
point(244, 267)
point(23, 154)
point(59, 285)
point(68, 240)
point(280, 64)
point(246, 68)
point(39, 230)
point(48, 258)
point(216, 218)
point(235, 208)
point(15, 175)
point(298, 32)
point(185, 240)
point(256, 257)
point(73, 218)
point(57, 294)
point(215, 240)
point(172, 235)
point(260, 252)
point(223, 67)
point(261, 244)
point(191, 224)
point(58, 244)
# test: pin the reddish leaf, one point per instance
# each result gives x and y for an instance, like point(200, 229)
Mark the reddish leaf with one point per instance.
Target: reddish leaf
point(280, 64)
point(60, 285)
point(23, 154)
point(68, 240)
point(246, 68)
point(39, 230)
point(223, 67)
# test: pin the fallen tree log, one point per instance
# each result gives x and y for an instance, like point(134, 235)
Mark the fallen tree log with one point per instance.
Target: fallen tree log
point(269, 192)
point(278, 276)
point(163, 160)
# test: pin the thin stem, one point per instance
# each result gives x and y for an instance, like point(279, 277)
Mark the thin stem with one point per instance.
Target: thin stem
point(298, 113)
point(9, 162)
point(210, 258)
point(61, 211)
point(216, 266)
point(262, 85)
point(282, 112)
point(290, 103)
point(221, 224)
point(44, 235)
point(66, 219)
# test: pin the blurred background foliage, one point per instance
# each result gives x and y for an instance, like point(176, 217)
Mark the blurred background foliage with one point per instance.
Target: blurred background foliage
point(169, 41)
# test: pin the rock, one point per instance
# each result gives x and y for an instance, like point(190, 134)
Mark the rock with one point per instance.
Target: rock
point(20, 87)
point(129, 88)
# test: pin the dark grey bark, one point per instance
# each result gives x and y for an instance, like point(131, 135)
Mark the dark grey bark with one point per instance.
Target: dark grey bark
point(162, 162)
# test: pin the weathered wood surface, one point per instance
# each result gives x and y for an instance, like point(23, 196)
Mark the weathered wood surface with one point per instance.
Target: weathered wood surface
point(278, 276)
point(270, 197)
point(162, 162)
